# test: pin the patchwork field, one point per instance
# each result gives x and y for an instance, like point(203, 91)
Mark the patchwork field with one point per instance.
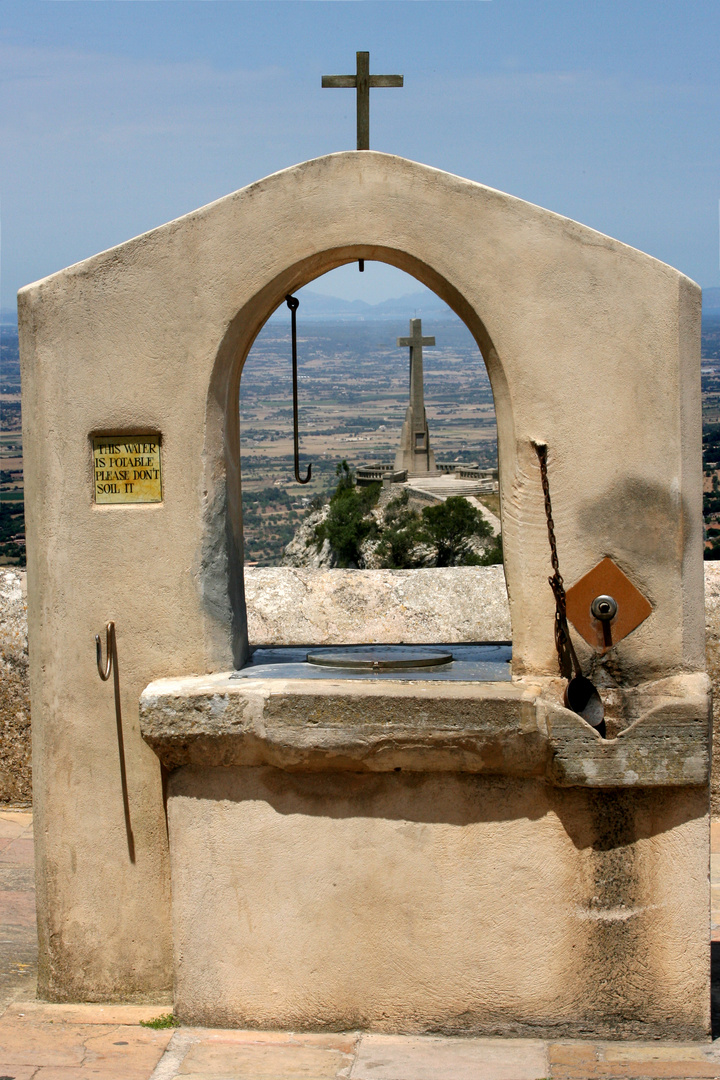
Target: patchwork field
point(353, 387)
point(353, 392)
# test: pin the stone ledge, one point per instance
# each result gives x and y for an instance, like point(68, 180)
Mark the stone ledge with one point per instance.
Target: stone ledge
point(668, 745)
point(509, 729)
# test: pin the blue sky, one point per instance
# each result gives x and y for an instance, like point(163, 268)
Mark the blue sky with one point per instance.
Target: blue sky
point(118, 116)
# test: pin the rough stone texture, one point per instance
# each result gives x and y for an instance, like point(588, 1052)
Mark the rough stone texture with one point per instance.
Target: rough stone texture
point(667, 745)
point(15, 741)
point(509, 729)
point(293, 606)
point(712, 650)
point(342, 725)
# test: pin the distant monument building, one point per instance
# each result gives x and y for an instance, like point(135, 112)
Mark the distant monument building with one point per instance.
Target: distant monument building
point(414, 453)
point(415, 464)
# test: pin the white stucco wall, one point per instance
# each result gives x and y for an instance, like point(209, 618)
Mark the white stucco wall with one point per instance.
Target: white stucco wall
point(590, 345)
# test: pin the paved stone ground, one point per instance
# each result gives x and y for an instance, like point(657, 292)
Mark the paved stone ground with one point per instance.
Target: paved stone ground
point(106, 1042)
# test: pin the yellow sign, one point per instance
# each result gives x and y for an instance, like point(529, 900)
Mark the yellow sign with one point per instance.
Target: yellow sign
point(127, 469)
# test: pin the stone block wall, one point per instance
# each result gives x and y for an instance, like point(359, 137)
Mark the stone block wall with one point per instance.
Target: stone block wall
point(297, 606)
point(712, 653)
point(15, 744)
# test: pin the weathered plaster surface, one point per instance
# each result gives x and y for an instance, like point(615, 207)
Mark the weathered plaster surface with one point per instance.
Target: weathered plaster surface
point(501, 728)
point(580, 335)
point(437, 902)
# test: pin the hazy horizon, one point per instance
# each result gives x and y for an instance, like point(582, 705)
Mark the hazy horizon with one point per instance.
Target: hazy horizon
point(118, 117)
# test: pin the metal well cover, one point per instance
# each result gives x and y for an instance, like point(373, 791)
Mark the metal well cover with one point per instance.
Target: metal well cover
point(380, 657)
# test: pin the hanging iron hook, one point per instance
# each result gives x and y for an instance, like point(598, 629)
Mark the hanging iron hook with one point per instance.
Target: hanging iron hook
point(111, 665)
point(105, 669)
point(293, 303)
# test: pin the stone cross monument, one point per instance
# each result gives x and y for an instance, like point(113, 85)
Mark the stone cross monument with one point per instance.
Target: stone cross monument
point(414, 453)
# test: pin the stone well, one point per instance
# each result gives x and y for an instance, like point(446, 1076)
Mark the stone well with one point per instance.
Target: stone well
point(414, 855)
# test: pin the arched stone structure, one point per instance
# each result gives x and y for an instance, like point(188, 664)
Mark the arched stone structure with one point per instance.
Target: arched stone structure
point(591, 346)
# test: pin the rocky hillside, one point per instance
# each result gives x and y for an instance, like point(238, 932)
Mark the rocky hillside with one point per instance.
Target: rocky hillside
point(384, 527)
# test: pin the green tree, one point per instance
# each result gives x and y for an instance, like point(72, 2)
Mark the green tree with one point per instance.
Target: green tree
point(399, 536)
point(349, 522)
point(449, 527)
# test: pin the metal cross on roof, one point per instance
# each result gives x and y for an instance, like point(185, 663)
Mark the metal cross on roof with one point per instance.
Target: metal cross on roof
point(362, 82)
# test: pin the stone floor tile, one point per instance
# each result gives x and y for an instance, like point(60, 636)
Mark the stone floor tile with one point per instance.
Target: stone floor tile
point(130, 1053)
point(13, 825)
point(572, 1053)
point(62, 1072)
point(262, 1061)
point(101, 1071)
point(18, 1072)
point(659, 1070)
point(344, 1042)
point(679, 1069)
point(47, 1012)
point(628, 1052)
point(125, 1054)
point(15, 878)
point(27, 1043)
point(422, 1057)
point(17, 909)
point(18, 851)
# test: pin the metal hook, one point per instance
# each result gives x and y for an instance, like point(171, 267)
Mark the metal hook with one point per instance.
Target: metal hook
point(110, 648)
point(111, 664)
point(293, 303)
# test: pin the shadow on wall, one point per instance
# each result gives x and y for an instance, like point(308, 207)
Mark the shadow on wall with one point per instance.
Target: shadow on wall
point(596, 820)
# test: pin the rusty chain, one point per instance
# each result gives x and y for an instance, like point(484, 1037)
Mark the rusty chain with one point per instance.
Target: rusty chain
point(567, 657)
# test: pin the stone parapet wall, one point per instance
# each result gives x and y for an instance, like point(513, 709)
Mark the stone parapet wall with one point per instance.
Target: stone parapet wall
point(15, 744)
point(297, 606)
point(712, 653)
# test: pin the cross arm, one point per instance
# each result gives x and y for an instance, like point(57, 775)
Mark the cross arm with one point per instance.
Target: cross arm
point(405, 341)
point(339, 80)
point(385, 80)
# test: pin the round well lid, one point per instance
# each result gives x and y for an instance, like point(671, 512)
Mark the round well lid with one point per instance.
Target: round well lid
point(380, 657)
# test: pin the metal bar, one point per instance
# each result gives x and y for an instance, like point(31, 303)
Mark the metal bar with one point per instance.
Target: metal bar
point(293, 303)
point(111, 663)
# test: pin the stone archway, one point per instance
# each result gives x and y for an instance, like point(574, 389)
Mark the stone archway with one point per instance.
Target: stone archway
point(555, 309)
point(233, 354)
point(591, 346)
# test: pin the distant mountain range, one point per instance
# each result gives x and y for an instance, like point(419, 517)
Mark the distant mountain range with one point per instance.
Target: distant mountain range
point(412, 305)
